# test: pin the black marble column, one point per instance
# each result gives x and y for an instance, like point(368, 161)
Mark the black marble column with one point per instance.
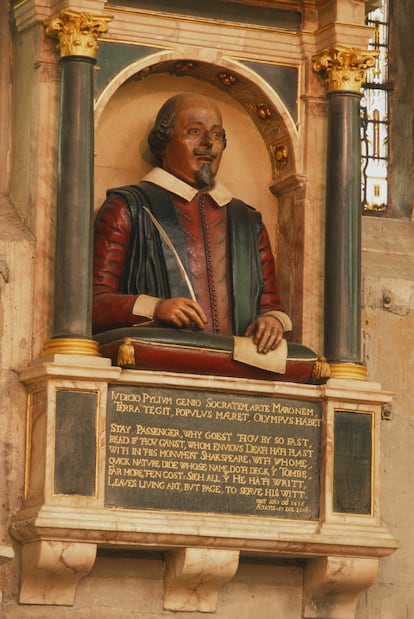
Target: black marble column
point(77, 34)
point(343, 231)
point(73, 272)
point(344, 71)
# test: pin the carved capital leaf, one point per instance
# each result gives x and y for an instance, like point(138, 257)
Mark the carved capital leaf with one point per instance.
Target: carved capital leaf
point(77, 33)
point(344, 68)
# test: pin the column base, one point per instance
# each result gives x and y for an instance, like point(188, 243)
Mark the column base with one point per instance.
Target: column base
point(350, 371)
point(71, 346)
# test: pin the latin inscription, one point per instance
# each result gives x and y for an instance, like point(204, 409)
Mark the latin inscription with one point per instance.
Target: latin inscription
point(203, 452)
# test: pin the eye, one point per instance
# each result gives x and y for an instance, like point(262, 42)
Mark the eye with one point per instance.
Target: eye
point(194, 131)
point(217, 134)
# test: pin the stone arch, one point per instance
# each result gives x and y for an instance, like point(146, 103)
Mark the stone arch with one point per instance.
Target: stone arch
point(259, 99)
point(277, 168)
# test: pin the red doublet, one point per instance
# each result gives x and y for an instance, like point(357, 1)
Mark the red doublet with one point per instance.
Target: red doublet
point(205, 228)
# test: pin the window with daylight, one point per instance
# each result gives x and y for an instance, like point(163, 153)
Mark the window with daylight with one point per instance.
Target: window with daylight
point(375, 116)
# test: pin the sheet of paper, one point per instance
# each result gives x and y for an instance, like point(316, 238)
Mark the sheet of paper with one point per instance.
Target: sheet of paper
point(244, 351)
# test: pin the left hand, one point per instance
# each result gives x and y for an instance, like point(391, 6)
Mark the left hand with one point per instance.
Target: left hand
point(267, 333)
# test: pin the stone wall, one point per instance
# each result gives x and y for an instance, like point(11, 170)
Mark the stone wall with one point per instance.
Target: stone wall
point(388, 335)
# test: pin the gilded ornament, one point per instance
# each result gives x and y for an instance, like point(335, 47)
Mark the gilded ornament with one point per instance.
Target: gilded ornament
point(183, 66)
point(263, 111)
point(345, 68)
point(77, 33)
point(281, 155)
point(321, 370)
point(227, 79)
point(126, 353)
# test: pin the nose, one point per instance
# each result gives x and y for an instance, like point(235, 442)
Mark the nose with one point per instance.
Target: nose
point(206, 139)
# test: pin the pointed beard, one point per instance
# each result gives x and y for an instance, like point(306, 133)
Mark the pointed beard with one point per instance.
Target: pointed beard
point(204, 177)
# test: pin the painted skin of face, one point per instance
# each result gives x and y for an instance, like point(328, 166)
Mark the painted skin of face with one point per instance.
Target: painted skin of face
point(194, 151)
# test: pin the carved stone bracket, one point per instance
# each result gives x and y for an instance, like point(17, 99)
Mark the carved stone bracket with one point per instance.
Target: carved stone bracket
point(194, 577)
point(344, 67)
point(51, 571)
point(332, 586)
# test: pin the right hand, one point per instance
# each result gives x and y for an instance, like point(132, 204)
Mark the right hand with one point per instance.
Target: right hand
point(180, 312)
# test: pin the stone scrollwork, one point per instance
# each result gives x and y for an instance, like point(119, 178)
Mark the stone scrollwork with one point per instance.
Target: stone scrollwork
point(77, 33)
point(344, 67)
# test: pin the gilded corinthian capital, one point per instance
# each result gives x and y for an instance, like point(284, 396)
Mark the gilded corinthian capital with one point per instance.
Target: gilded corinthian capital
point(77, 33)
point(344, 67)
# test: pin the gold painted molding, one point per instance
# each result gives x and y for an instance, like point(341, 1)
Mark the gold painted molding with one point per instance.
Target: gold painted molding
point(77, 33)
point(70, 346)
point(350, 371)
point(344, 67)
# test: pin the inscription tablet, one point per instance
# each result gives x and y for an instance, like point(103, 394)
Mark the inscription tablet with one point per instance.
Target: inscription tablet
point(198, 451)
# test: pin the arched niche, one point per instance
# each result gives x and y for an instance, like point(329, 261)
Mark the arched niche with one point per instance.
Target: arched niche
point(261, 162)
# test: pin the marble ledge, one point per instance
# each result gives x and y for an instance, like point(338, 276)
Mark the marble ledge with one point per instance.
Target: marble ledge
point(70, 367)
point(164, 530)
point(219, 383)
point(356, 390)
point(97, 368)
point(343, 389)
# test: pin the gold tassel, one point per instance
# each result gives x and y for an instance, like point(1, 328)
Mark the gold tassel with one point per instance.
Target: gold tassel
point(321, 369)
point(126, 353)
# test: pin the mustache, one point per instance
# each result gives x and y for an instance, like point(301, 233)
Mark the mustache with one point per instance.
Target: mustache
point(205, 153)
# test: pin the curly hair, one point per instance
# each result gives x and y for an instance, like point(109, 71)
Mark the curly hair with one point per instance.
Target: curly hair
point(163, 128)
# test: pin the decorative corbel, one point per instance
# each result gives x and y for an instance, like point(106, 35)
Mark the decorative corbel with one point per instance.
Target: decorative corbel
point(332, 586)
point(194, 577)
point(51, 571)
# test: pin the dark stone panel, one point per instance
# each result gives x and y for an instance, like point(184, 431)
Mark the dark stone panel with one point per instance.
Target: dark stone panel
point(75, 438)
point(113, 57)
point(284, 81)
point(352, 463)
point(197, 451)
